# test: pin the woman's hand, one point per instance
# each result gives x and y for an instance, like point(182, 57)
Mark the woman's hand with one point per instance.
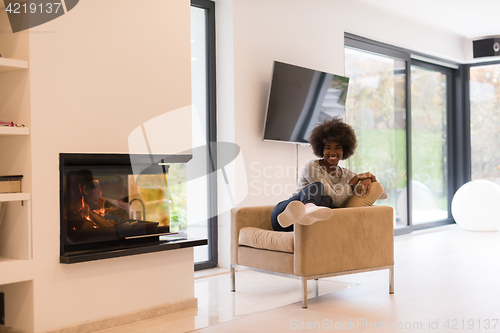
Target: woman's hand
point(362, 176)
point(363, 187)
point(367, 175)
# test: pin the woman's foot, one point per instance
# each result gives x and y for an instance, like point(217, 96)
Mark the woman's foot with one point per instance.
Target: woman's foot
point(297, 212)
point(315, 213)
point(292, 213)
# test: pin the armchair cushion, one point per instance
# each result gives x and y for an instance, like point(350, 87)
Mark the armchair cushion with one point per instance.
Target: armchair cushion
point(275, 261)
point(266, 239)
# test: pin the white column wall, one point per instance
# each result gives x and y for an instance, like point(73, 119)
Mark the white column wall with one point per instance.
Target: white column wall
point(97, 73)
point(225, 116)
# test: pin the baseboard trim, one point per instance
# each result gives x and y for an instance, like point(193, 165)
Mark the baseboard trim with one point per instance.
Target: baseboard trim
point(127, 318)
point(5, 329)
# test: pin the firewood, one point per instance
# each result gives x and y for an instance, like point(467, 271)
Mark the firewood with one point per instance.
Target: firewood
point(100, 221)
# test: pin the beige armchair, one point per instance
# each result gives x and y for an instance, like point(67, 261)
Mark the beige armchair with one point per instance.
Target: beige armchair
point(353, 240)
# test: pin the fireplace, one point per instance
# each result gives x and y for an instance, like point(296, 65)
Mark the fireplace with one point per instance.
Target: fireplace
point(114, 203)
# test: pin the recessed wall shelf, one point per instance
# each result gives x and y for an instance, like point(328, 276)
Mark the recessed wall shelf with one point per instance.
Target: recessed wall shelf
point(4, 130)
point(7, 197)
point(16, 242)
point(15, 270)
point(14, 196)
point(7, 64)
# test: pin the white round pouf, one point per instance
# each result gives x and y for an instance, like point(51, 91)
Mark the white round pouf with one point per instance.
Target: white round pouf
point(476, 206)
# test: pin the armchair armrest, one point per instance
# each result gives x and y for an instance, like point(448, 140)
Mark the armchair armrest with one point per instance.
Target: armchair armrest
point(353, 238)
point(241, 217)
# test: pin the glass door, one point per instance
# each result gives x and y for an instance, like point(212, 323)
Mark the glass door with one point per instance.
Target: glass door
point(429, 142)
point(401, 110)
point(376, 108)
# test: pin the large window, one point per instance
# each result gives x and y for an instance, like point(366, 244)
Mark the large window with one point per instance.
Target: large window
point(201, 190)
point(485, 122)
point(376, 108)
point(429, 142)
point(399, 108)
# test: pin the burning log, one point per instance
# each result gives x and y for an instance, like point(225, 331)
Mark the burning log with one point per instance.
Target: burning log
point(101, 221)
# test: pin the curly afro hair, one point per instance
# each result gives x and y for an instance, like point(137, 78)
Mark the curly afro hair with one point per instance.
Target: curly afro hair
point(334, 130)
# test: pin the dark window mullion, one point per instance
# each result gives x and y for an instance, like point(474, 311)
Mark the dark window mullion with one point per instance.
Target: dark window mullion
point(211, 139)
point(409, 174)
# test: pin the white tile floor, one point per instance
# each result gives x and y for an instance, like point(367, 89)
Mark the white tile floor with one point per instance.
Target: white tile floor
point(446, 280)
point(256, 293)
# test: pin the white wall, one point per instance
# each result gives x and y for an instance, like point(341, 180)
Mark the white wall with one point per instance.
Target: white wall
point(305, 33)
point(97, 73)
point(225, 113)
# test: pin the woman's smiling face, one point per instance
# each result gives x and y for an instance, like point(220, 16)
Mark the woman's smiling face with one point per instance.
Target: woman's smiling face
point(332, 153)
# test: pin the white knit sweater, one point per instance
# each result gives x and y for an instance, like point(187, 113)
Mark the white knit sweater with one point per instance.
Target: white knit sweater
point(335, 185)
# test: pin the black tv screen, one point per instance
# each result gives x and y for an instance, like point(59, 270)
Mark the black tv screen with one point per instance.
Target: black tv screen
point(301, 98)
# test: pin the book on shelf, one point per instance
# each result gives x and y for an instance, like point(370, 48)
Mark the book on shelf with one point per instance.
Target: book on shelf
point(10, 184)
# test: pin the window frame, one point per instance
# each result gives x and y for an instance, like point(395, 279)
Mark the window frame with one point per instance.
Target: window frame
point(212, 222)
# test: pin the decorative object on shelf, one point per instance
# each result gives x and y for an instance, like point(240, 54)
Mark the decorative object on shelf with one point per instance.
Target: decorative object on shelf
point(10, 184)
point(475, 206)
point(4, 122)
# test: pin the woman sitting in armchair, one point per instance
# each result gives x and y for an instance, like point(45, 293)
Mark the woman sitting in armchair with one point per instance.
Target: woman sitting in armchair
point(323, 184)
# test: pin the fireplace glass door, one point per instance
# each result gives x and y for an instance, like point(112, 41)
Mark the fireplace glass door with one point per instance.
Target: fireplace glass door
point(105, 205)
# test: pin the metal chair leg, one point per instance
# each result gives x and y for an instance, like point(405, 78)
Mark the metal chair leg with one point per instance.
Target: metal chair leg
point(391, 280)
point(304, 292)
point(233, 278)
point(316, 288)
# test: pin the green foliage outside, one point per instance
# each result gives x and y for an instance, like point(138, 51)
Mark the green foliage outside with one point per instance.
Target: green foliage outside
point(429, 141)
point(376, 108)
point(485, 120)
point(377, 153)
point(177, 196)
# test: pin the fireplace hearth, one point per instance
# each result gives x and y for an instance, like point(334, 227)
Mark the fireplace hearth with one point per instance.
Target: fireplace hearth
point(113, 207)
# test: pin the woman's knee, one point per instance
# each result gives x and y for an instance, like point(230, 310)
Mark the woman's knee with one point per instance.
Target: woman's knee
point(326, 201)
point(375, 192)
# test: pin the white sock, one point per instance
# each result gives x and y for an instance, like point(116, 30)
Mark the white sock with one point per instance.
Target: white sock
point(315, 213)
point(292, 213)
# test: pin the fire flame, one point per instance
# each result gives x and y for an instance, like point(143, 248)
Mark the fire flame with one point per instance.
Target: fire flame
point(84, 212)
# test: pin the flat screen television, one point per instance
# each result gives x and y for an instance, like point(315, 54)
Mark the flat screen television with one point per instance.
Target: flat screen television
point(301, 98)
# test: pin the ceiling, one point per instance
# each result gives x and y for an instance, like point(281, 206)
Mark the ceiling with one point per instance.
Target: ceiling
point(470, 18)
